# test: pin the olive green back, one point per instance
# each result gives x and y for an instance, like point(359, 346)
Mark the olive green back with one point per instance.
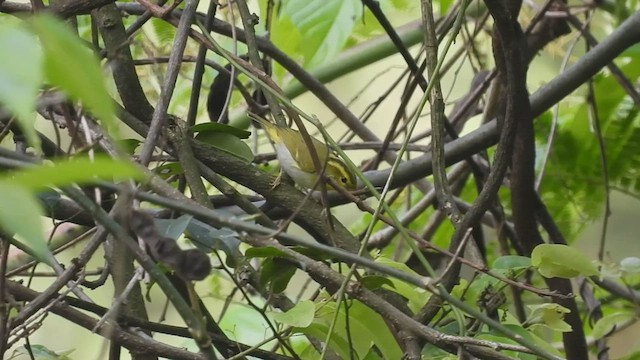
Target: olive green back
point(293, 141)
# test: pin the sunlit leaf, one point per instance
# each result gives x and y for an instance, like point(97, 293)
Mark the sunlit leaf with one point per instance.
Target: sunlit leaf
point(40, 352)
point(325, 26)
point(550, 314)
point(76, 171)
point(511, 262)
point(373, 282)
point(129, 145)
point(338, 343)
point(20, 214)
point(73, 67)
point(20, 76)
point(299, 316)
point(287, 37)
point(608, 323)
point(555, 260)
point(367, 328)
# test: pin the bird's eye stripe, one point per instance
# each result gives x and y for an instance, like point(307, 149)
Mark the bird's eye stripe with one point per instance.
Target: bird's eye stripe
point(342, 168)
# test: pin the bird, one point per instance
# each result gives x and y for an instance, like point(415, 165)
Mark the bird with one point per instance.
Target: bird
point(296, 161)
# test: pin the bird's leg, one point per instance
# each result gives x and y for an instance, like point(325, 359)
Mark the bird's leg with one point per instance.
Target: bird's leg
point(278, 180)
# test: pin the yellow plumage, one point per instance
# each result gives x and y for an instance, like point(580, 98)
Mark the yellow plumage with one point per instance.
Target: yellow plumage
point(295, 158)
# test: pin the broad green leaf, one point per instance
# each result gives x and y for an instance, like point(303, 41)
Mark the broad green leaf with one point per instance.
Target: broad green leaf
point(324, 25)
point(372, 355)
point(550, 314)
point(632, 51)
point(276, 272)
point(367, 328)
point(129, 145)
point(633, 356)
point(511, 262)
point(444, 6)
point(307, 352)
point(373, 282)
point(371, 329)
point(20, 76)
point(480, 285)
point(573, 187)
point(76, 171)
point(416, 297)
point(605, 325)
point(286, 36)
point(20, 214)
point(173, 228)
point(164, 32)
point(40, 352)
point(338, 343)
point(630, 264)
point(555, 260)
point(227, 143)
point(220, 128)
point(524, 333)
point(73, 67)
point(207, 238)
point(300, 316)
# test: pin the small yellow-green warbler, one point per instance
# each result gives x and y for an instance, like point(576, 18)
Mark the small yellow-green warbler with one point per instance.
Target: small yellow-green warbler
point(295, 158)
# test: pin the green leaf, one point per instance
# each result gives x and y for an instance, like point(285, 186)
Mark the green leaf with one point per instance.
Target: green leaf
point(633, 356)
point(20, 214)
point(630, 264)
point(40, 352)
point(608, 323)
point(631, 51)
point(555, 260)
point(338, 342)
point(173, 228)
point(73, 67)
point(163, 31)
point(373, 282)
point(227, 143)
point(300, 316)
point(220, 128)
point(129, 145)
point(573, 187)
point(276, 272)
point(372, 355)
point(417, 297)
point(20, 76)
point(76, 171)
point(324, 25)
point(550, 314)
point(367, 328)
point(513, 262)
point(207, 238)
point(444, 6)
point(286, 37)
point(525, 334)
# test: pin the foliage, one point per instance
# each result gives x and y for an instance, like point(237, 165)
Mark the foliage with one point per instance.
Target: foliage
point(363, 282)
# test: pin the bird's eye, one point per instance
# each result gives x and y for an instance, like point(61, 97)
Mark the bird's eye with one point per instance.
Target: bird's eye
point(343, 179)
